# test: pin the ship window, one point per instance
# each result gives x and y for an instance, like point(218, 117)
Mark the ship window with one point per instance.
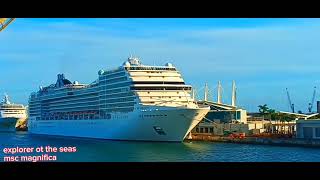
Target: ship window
point(157, 82)
point(211, 130)
point(201, 130)
point(206, 130)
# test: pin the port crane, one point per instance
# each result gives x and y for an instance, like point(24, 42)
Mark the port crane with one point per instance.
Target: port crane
point(312, 100)
point(289, 99)
point(4, 22)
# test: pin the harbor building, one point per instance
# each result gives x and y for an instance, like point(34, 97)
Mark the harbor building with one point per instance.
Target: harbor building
point(222, 117)
point(308, 129)
point(221, 112)
point(224, 113)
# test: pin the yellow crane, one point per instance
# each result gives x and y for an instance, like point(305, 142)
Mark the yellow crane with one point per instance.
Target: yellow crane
point(4, 22)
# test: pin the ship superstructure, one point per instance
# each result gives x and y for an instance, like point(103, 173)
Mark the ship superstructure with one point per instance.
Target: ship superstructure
point(10, 113)
point(131, 102)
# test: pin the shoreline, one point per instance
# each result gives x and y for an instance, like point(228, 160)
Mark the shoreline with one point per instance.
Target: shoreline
point(292, 142)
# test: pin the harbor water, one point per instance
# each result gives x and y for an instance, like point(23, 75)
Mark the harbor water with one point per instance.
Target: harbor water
point(92, 150)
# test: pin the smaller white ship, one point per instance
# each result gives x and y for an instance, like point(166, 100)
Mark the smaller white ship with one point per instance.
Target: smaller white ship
point(10, 113)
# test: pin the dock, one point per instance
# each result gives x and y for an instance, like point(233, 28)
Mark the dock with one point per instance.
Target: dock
point(258, 140)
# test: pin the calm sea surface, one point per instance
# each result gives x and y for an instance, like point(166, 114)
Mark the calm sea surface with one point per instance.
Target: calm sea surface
point(90, 150)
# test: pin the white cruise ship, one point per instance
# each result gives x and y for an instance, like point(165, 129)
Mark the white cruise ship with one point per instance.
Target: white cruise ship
point(131, 102)
point(10, 113)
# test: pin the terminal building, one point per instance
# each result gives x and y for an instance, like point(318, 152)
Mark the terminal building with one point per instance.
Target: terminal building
point(308, 129)
point(222, 117)
point(223, 113)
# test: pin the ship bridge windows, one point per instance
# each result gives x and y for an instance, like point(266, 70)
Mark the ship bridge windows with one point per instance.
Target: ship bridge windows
point(113, 75)
point(113, 71)
point(157, 82)
point(152, 68)
point(117, 85)
point(161, 88)
point(113, 80)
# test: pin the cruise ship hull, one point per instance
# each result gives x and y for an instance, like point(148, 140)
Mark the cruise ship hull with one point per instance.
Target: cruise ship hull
point(170, 124)
point(8, 124)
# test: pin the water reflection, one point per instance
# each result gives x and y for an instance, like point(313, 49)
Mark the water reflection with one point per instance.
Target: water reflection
point(92, 150)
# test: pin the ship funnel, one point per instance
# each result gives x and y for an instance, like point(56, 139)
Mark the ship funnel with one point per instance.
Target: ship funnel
point(60, 79)
point(6, 99)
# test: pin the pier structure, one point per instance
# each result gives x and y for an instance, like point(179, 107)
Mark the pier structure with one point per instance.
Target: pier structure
point(222, 112)
point(222, 117)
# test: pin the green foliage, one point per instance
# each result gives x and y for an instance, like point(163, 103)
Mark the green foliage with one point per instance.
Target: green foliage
point(273, 115)
point(316, 117)
point(263, 109)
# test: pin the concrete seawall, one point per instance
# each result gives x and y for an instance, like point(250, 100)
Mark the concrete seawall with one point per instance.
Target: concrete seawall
point(256, 140)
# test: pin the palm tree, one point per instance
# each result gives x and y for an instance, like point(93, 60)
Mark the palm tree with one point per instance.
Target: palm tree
point(263, 109)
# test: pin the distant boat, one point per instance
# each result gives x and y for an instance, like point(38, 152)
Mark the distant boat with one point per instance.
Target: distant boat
point(10, 113)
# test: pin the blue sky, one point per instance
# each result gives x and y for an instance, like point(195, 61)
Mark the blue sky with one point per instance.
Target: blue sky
point(263, 56)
